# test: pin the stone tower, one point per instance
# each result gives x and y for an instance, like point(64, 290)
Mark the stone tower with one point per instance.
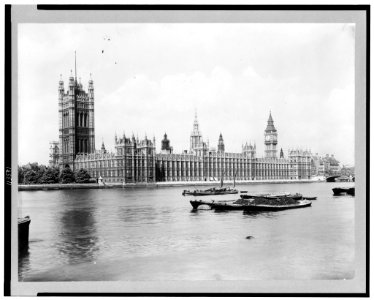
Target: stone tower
point(271, 139)
point(165, 146)
point(249, 150)
point(196, 139)
point(76, 120)
point(221, 144)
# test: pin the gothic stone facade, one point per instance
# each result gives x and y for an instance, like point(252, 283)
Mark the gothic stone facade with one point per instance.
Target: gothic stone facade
point(136, 160)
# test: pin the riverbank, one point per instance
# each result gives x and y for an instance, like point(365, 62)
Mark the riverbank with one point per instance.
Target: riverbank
point(70, 186)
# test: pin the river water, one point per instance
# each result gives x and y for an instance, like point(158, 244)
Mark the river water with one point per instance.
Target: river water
point(153, 234)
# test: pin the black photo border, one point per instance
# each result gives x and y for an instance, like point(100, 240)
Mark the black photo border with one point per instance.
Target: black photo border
point(8, 138)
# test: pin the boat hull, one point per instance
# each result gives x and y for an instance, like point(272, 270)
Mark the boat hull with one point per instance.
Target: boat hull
point(23, 232)
point(309, 198)
point(342, 191)
point(262, 207)
point(268, 196)
point(227, 206)
point(196, 203)
point(204, 193)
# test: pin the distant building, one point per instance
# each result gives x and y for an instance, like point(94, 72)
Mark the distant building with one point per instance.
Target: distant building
point(326, 165)
point(54, 154)
point(135, 160)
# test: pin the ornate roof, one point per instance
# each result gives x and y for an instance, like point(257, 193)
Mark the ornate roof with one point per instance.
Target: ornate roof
point(270, 127)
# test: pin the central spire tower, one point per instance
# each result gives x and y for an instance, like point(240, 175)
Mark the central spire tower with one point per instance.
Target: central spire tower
point(196, 138)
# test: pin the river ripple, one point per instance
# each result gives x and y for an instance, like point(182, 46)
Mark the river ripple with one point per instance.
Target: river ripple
point(153, 234)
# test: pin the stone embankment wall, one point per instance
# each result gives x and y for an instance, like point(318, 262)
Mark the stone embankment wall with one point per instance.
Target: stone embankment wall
point(38, 187)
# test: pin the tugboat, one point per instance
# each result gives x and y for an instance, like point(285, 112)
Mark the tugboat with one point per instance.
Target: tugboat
point(23, 232)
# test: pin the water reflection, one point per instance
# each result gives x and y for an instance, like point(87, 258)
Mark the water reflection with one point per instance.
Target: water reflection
point(153, 235)
point(77, 239)
point(142, 214)
point(256, 214)
point(23, 261)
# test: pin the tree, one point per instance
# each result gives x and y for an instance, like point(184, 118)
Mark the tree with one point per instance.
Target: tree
point(30, 176)
point(21, 175)
point(82, 176)
point(37, 172)
point(51, 175)
point(67, 175)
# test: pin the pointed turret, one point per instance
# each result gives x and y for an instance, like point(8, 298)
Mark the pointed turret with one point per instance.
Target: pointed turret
point(270, 127)
point(103, 150)
point(196, 141)
point(165, 145)
point(221, 144)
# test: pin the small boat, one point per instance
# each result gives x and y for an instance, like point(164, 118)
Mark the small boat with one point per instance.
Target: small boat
point(212, 191)
point(344, 190)
point(309, 198)
point(332, 178)
point(196, 203)
point(271, 207)
point(23, 232)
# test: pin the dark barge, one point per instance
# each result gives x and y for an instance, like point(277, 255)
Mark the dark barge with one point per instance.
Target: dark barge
point(344, 190)
point(23, 232)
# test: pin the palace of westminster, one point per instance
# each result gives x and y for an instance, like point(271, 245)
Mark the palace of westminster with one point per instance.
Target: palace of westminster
point(137, 160)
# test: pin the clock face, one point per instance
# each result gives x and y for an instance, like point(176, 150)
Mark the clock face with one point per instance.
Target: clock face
point(267, 138)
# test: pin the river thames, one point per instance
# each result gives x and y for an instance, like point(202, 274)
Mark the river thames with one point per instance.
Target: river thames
point(136, 234)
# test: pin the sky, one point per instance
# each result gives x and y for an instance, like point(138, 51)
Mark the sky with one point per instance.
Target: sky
point(149, 79)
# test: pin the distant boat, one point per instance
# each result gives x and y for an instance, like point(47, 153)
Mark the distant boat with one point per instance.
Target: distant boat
point(212, 191)
point(344, 190)
point(332, 178)
point(343, 179)
point(23, 232)
point(310, 198)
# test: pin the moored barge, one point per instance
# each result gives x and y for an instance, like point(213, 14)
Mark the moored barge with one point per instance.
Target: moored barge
point(344, 190)
point(23, 232)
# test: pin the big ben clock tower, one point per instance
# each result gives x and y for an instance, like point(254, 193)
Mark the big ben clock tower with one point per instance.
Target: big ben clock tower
point(271, 139)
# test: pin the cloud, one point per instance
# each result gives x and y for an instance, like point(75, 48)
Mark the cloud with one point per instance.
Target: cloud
point(151, 78)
